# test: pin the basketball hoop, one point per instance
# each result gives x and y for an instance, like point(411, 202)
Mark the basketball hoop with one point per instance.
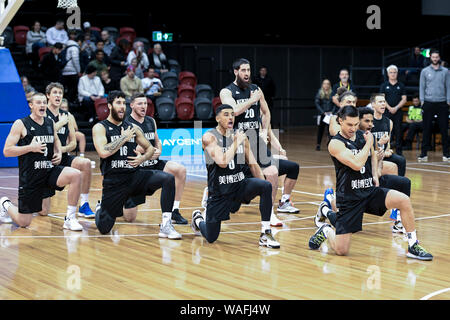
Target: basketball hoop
point(65, 4)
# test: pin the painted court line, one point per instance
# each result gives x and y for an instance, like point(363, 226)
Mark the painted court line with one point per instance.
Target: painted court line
point(428, 296)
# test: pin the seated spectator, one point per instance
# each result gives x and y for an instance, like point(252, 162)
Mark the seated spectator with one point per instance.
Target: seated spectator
point(90, 89)
point(100, 45)
point(414, 121)
point(108, 83)
point(416, 63)
point(118, 59)
point(72, 70)
point(51, 64)
point(57, 34)
point(158, 60)
point(36, 39)
point(139, 72)
point(88, 45)
point(130, 84)
point(95, 36)
point(108, 44)
point(152, 86)
point(29, 90)
point(142, 62)
point(80, 137)
point(98, 62)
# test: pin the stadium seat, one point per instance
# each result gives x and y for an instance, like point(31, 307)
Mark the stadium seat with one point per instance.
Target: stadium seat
point(216, 102)
point(20, 34)
point(165, 108)
point(203, 108)
point(128, 33)
point(43, 51)
point(150, 108)
point(187, 77)
point(174, 65)
point(169, 80)
point(186, 91)
point(204, 91)
point(113, 32)
point(101, 108)
point(96, 29)
point(185, 108)
point(169, 93)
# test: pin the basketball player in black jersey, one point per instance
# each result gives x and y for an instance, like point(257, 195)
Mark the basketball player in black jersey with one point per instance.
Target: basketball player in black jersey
point(253, 117)
point(358, 190)
point(65, 126)
point(138, 117)
point(227, 155)
point(116, 142)
point(345, 98)
point(35, 141)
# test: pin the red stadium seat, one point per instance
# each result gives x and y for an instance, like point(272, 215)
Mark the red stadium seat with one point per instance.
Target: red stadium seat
point(216, 102)
point(96, 29)
point(185, 108)
point(101, 108)
point(186, 77)
point(43, 51)
point(127, 33)
point(20, 34)
point(186, 91)
point(150, 108)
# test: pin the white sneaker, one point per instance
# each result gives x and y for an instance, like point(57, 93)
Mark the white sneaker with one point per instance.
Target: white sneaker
point(422, 159)
point(4, 216)
point(445, 159)
point(287, 207)
point(72, 223)
point(319, 219)
point(168, 231)
point(205, 197)
point(196, 215)
point(274, 221)
point(267, 240)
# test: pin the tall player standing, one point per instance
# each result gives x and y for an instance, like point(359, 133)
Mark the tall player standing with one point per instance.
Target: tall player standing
point(34, 140)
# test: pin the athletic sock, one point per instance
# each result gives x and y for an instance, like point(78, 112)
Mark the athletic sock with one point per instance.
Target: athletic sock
point(285, 197)
point(329, 232)
point(330, 214)
point(71, 211)
point(84, 197)
point(176, 205)
point(412, 238)
point(265, 225)
point(399, 217)
point(329, 197)
point(166, 217)
point(82, 155)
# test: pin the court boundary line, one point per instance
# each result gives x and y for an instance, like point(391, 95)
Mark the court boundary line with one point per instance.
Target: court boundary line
point(435, 293)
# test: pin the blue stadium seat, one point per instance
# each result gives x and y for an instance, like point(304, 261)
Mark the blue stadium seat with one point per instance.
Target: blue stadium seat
point(169, 93)
point(165, 108)
point(169, 80)
point(203, 108)
point(204, 91)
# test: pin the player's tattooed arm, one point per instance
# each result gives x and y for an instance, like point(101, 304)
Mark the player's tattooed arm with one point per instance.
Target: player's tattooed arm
point(105, 149)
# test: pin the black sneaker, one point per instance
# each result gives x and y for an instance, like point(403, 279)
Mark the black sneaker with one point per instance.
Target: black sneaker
point(317, 148)
point(318, 238)
point(177, 218)
point(418, 252)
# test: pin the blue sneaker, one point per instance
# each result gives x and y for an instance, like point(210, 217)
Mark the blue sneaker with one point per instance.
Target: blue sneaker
point(329, 191)
point(85, 211)
point(393, 215)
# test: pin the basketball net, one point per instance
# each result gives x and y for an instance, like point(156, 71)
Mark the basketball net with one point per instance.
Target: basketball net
point(65, 4)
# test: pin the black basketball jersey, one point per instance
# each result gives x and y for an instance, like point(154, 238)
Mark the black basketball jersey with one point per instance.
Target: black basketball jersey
point(352, 185)
point(251, 118)
point(63, 133)
point(381, 127)
point(118, 162)
point(148, 127)
point(224, 181)
point(34, 166)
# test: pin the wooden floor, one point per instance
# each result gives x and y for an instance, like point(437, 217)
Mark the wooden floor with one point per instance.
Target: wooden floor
point(45, 262)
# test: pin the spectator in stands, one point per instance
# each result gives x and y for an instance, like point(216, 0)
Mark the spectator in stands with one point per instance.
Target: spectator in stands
point(51, 64)
point(90, 89)
point(80, 137)
point(416, 63)
point(100, 45)
point(95, 35)
point(158, 60)
point(413, 121)
point(267, 85)
point(36, 39)
point(141, 57)
point(109, 45)
point(325, 110)
point(152, 86)
point(139, 72)
point(108, 83)
point(57, 33)
point(118, 59)
point(435, 98)
point(344, 77)
point(72, 70)
point(395, 95)
point(29, 90)
point(98, 62)
point(130, 84)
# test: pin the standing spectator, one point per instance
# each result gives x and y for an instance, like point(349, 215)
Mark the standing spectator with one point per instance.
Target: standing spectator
point(435, 98)
point(130, 84)
point(95, 36)
point(416, 63)
point(325, 108)
point(90, 89)
point(109, 45)
point(57, 34)
point(141, 58)
point(158, 60)
point(267, 85)
point(414, 121)
point(98, 62)
point(344, 77)
point(51, 64)
point(72, 70)
point(29, 90)
point(395, 96)
point(36, 39)
point(87, 53)
point(118, 59)
point(152, 86)
point(107, 82)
